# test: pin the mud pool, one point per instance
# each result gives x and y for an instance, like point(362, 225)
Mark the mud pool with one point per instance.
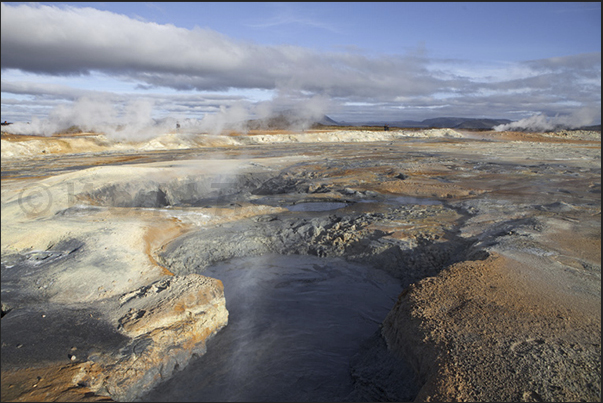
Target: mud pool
point(295, 322)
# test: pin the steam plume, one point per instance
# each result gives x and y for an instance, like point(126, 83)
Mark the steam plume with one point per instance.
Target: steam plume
point(540, 122)
point(134, 120)
point(131, 121)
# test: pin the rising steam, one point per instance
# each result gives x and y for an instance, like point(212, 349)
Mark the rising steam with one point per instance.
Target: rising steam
point(542, 123)
point(133, 121)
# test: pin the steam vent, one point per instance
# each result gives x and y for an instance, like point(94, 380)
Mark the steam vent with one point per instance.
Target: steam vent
point(326, 264)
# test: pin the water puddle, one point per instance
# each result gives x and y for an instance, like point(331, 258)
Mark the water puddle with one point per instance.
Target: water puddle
point(294, 323)
point(317, 206)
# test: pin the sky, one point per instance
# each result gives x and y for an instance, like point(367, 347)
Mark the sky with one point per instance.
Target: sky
point(353, 61)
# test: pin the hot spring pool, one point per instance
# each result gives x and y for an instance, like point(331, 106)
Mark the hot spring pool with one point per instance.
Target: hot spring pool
point(294, 323)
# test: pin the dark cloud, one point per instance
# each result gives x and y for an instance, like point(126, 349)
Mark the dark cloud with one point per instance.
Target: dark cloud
point(72, 41)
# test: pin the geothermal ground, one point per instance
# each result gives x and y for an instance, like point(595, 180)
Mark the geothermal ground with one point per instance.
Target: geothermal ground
point(334, 265)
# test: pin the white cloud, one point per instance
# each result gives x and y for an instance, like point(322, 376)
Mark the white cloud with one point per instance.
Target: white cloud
point(84, 42)
point(52, 40)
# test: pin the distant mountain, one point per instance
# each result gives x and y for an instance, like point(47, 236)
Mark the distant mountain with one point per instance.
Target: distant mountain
point(290, 119)
point(445, 122)
point(483, 124)
point(326, 121)
point(596, 128)
point(460, 123)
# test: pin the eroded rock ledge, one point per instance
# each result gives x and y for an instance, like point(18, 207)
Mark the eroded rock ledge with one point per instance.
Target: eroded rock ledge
point(162, 326)
point(169, 322)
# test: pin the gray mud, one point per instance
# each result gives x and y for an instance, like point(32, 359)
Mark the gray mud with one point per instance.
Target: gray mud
point(295, 323)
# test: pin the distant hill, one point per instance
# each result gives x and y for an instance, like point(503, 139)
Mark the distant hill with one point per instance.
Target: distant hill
point(444, 122)
point(327, 121)
point(596, 128)
point(483, 124)
point(290, 119)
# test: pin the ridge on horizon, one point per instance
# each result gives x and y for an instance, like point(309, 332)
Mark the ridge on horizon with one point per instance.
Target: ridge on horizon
point(291, 117)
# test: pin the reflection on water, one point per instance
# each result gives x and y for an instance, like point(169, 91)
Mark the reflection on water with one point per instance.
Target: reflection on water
point(294, 323)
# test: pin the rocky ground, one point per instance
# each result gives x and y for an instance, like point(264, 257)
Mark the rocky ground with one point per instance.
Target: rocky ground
point(494, 235)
